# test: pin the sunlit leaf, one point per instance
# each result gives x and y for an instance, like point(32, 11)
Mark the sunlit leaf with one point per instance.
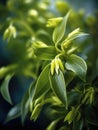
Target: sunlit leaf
point(42, 84)
point(59, 31)
point(26, 103)
point(77, 65)
point(13, 113)
point(5, 89)
point(58, 86)
point(52, 125)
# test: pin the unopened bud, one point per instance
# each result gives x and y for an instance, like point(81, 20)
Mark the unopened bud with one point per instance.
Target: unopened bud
point(53, 22)
point(76, 31)
point(52, 66)
point(56, 64)
point(43, 6)
point(33, 13)
point(9, 32)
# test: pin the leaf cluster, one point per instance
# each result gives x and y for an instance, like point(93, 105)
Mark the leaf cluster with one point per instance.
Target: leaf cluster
point(51, 48)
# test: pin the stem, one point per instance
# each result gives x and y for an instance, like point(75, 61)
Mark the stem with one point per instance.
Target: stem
point(57, 48)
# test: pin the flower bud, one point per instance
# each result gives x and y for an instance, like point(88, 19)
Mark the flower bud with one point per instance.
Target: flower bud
point(39, 44)
point(33, 13)
point(61, 64)
point(76, 31)
point(43, 6)
point(56, 64)
point(52, 66)
point(9, 32)
point(53, 22)
point(63, 7)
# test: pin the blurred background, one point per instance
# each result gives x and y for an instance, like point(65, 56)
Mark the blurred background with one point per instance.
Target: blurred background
point(19, 85)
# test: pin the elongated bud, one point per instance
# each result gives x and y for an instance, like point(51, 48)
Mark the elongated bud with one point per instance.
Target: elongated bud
point(62, 7)
point(52, 67)
point(33, 13)
point(36, 112)
point(61, 64)
point(69, 117)
point(9, 32)
point(53, 22)
point(43, 6)
point(56, 64)
point(76, 31)
point(39, 44)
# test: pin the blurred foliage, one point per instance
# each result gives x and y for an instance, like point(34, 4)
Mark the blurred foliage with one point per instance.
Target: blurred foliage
point(44, 43)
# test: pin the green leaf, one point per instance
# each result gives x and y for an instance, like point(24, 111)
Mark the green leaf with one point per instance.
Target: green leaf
point(52, 125)
point(26, 103)
point(72, 98)
point(78, 125)
point(42, 84)
point(57, 83)
point(45, 53)
point(91, 114)
point(59, 31)
point(77, 65)
point(13, 113)
point(68, 75)
point(5, 90)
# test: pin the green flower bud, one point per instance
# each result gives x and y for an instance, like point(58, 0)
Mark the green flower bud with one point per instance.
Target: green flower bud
point(43, 6)
point(70, 116)
point(9, 32)
point(74, 114)
point(36, 112)
point(61, 64)
point(76, 31)
point(3, 71)
point(39, 44)
point(53, 22)
point(52, 66)
point(27, 1)
point(88, 97)
point(63, 7)
point(33, 13)
point(56, 64)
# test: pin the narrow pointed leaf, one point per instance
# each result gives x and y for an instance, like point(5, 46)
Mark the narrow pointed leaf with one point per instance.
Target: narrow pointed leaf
point(13, 113)
point(57, 83)
point(52, 125)
point(24, 107)
point(42, 84)
point(59, 31)
point(77, 65)
point(5, 89)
